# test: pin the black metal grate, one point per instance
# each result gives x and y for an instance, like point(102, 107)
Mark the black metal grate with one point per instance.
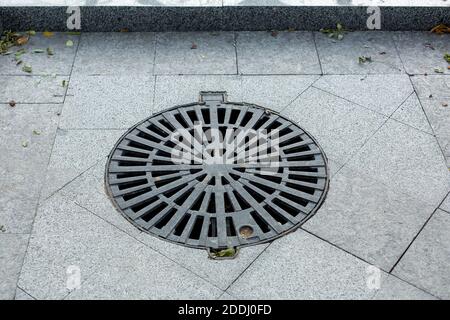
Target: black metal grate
point(221, 196)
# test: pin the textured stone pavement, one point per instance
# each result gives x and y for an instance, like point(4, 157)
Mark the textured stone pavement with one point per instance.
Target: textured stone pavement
point(383, 125)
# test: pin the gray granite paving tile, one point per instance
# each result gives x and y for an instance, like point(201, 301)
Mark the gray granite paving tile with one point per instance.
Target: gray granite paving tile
point(301, 266)
point(218, 272)
point(12, 250)
point(32, 89)
point(22, 295)
point(434, 94)
point(426, 263)
point(334, 167)
point(145, 274)
point(42, 64)
point(175, 90)
point(280, 53)
point(438, 86)
point(75, 151)
point(446, 204)
point(411, 113)
point(407, 160)
point(226, 296)
point(69, 241)
point(369, 219)
point(339, 126)
point(274, 92)
point(89, 192)
point(126, 53)
point(422, 52)
point(104, 102)
point(65, 238)
point(380, 93)
point(23, 161)
point(342, 56)
point(195, 53)
point(392, 288)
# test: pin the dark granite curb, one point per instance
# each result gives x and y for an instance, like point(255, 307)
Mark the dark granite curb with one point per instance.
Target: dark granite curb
point(233, 18)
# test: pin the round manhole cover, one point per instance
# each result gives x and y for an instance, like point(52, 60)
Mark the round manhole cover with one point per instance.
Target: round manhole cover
point(217, 174)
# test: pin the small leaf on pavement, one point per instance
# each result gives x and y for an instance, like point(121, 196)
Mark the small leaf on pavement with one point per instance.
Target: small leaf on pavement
point(27, 68)
point(48, 34)
point(22, 40)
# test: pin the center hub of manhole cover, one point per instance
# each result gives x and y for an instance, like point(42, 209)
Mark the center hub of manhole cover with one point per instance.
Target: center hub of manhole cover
point(217, 174)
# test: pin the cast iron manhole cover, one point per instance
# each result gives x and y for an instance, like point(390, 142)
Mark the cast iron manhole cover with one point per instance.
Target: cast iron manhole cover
point(217, 174)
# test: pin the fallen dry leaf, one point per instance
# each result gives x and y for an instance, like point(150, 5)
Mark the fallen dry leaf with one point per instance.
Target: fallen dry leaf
point(22, 40)
point(48, 34)
point(440, 29)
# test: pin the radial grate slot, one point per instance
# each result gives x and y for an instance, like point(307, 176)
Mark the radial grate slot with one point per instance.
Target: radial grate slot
point(217, 174)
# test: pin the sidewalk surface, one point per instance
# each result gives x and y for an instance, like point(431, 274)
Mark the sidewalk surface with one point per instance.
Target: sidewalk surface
point(384, 125)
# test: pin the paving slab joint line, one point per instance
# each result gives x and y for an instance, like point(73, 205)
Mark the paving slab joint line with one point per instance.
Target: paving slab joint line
point(415, 237)
point(148, 246)
point(302, 92)
point(387, 118)
point(428, 120)
point(18, 287)
point(249, 265)
point(39, 197)
point(72, 180)
point(361, 259)
point(154, 53)
point(406, 124)
point(317, 52)
point(447, 196)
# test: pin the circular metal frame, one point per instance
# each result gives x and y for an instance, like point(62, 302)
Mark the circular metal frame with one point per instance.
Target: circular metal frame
point(209, 204)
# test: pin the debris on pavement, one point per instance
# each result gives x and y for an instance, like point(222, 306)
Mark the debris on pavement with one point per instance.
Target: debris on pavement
point(27, 68)
point(440, 29)
point(48, 34)
point(447, 57)
point(12, 103)
point(223, 253)
point(364, 59)
point(337, 33)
